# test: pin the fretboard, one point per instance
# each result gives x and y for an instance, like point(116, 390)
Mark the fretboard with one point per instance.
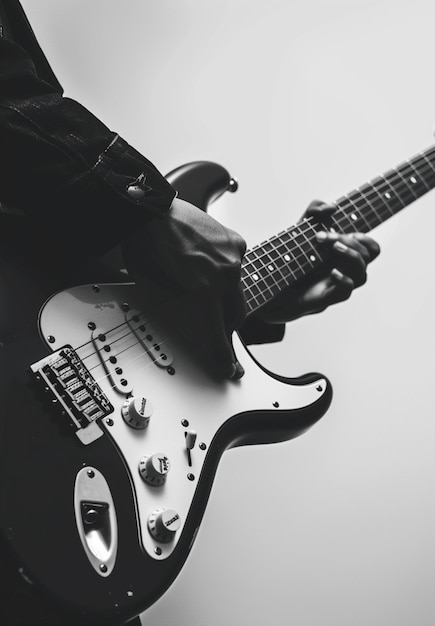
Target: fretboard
point(292, 254)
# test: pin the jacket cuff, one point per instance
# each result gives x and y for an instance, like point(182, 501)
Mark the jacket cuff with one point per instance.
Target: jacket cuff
point(134, 179)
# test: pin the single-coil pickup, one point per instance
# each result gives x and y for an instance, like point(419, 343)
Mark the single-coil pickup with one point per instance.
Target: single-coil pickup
point(148, 337)
point(115, 349)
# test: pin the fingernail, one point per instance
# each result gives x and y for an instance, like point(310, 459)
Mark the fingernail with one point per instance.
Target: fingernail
point(321, 235)
point(338, 245)
point(337, 274)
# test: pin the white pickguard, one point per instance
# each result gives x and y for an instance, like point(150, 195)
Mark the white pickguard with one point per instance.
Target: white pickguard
point(189, 394)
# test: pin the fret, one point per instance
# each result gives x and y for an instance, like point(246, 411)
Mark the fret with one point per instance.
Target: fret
point(304, 248)
point(417, 178)
point(268, 279)
point(361, 221)
point(313, 253)
point(346, 218)
point(276, 263)
point(380, 188)
point(371, 200)
point(401, 190)
point(408, 186)
point(394, 199)
point(292, 251)
point(254, 296)
point(425, 156)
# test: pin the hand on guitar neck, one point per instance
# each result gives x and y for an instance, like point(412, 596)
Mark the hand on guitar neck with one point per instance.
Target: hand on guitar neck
point(190, 252)
point(349, 256)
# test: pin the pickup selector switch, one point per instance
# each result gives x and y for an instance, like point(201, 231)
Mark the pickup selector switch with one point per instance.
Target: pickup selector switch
point(137, 412)
point(163, 524)
point(154, 469)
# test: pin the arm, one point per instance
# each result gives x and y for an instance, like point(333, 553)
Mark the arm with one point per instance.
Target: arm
point(62, 166)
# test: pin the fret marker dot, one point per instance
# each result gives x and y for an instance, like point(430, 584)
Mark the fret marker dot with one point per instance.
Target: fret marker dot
point(312, 258)
point(255, 276)
point(286, 257)
point(387, 195)
point(354, 217)
point(294, 233)
point(413, 180)
point(270, 268)
point(332, 230)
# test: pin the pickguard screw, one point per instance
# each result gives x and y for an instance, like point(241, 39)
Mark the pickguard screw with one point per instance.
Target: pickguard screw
point(275, 404)
point(96, 288)
point(51, 339)
point(191, 476)
point(103, 568)
point(171, 370)
point(125, 307)
point(92, 326)
point(90, 473)
point(319, 388)
point(109, 421)
point(184, 423)
point(202, 446)
point(158, 551)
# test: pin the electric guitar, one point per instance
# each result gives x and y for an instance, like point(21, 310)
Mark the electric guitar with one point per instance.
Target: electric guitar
point(112, 425)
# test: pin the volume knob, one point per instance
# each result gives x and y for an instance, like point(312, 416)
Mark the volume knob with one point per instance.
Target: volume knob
point(137, 412)
point(154, 469)
point(163, 524)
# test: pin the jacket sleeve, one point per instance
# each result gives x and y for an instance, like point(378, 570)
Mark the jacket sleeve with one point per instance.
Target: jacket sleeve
point(63, 168)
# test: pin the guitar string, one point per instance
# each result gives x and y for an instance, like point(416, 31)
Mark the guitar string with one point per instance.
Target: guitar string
point(103, 362)
point(126, 335)
point(129, 362)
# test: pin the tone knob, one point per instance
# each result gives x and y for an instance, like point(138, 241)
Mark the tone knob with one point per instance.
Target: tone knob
point(137, 412)
point(154, 468)
point(163, 524)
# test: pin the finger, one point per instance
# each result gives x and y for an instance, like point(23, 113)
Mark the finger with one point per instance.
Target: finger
point(234, 308)
point(234, 317)
point(365, 246)
point(370, 244)
point(336, 287)
point(320, 211)
point(350, 262)
point(342, 287)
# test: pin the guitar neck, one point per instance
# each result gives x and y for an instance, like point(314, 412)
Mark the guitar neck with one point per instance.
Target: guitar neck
point(292, 254)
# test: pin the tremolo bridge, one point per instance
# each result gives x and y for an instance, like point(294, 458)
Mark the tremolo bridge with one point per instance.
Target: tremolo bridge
point(82, 400)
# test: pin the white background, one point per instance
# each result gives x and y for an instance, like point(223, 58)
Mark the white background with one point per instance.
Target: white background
point(299, 99)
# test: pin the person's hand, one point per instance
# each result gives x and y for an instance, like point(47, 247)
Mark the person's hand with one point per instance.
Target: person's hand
point(189, 252)
point(350, 255)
